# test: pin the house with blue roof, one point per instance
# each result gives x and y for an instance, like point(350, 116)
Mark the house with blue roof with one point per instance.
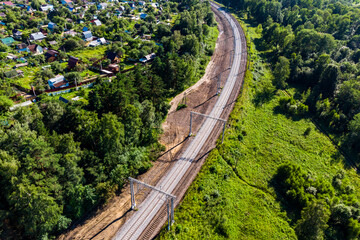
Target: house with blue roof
point(85, 29)
point(102, 6)
point(143, 16)
point(87, 36)
point(58, 82)
point(51, 25)
point(22, 47)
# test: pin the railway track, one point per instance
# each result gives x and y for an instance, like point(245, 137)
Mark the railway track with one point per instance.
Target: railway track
point(149, 217)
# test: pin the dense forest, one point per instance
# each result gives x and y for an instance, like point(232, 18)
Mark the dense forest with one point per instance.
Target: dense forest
point(58, 160)
point(314, 47)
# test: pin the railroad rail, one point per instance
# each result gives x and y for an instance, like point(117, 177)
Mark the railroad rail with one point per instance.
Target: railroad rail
point(149, 208)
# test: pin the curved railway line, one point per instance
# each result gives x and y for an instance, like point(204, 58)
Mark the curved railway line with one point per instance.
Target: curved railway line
point(147, 221)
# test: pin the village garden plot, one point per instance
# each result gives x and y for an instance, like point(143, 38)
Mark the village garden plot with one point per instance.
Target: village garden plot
point(25, 46)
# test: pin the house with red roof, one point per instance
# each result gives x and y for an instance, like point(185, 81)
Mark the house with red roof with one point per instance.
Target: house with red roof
point(8, 3)
point(65, 2)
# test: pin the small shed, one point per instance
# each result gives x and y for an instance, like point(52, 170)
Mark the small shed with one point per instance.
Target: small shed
point(53, 42)
point(148, 58)
point(87, 35)
point(73, 61)
point(37, 36)
point(97, 22)
point(46, 7)
point(17, 34)
point(114, 68)
point(51, 25)
point(51, 55)
point(36, 49)
point(113, 57)
point(58, 82)
point(70, 33)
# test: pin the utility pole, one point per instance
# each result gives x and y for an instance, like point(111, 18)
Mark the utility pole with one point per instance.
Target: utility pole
point(218, 85)
point(168, 213)
point(32, 87)
point(223, 133)
point(133, 203)
point(169, 199)
point(190, 133)
point(230, 61)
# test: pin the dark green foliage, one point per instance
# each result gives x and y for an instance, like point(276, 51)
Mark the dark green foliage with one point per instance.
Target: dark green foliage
point(307, 131)
point(281, 72)
point(5, 104)
point(293, 107)
point(72, 44)
point(73, 77)
point(314, 221)
point(325, 209)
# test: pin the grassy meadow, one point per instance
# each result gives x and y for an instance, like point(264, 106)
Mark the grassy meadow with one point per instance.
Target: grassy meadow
point(233, 197)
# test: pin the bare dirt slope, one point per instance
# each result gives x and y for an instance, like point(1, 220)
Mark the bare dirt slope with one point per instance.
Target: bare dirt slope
point(103, 223)
point(154, 227)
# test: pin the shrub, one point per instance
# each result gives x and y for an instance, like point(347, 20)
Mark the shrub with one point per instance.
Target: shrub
point(181, 106)
point(307, 131)
point(293, 107)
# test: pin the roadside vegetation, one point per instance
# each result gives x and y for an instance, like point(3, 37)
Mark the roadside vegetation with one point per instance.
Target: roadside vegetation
point(277, 175)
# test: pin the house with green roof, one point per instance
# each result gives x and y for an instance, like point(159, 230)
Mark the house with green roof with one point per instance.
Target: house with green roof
point(7, 41)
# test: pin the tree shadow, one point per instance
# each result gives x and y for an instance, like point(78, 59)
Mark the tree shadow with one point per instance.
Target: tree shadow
point(292, 212)
point(259, 45)
point(201, 104)
point(169, 150)
point(115, 220)
point(277, 110)
point(263, 96)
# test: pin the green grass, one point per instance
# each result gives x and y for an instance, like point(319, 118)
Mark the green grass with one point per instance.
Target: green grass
point(28, 78)
point(73, 93)
point(232, 197)
point(89, 52)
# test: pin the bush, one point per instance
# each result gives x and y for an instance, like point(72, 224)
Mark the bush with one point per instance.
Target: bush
point(293, 107)
point(181, 106)
point(307, 131)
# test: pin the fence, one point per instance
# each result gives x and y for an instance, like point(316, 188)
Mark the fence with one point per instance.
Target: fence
point(54, 93)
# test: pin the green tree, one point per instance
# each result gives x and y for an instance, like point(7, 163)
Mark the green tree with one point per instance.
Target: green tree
point(36, 212)
point(313, 221)
point(281, 72)
point(71, 45)
point(329, 79)
point(57, 68)
point(73, 77)
point(5, 104)
point(354, 133)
